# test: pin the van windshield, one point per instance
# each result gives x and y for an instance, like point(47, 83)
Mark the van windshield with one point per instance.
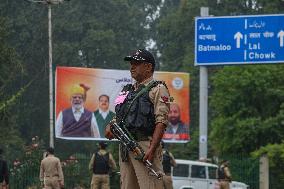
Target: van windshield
point(181, 170)
point(212, 172)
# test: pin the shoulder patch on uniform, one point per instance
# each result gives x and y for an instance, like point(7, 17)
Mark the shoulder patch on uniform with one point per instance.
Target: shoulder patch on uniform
point(165, 99)
point(162, 83)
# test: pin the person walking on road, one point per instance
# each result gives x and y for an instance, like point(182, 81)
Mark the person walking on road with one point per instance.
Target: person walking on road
point(51, 174)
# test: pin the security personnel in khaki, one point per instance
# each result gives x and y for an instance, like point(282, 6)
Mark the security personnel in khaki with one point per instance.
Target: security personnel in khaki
point(224, 175)
point(168, 162)
point(101, 164)
point(146, 120)
point(51, 175)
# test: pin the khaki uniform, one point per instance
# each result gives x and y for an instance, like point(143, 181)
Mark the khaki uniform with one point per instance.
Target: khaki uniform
point(134, 175)
point(225, 183)
point(168, 181)
point(160, 97)
point(51, 172)
point(101, 181)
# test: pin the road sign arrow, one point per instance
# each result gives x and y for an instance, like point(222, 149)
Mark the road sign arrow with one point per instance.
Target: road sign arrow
point(281, 37)
point(238, 36)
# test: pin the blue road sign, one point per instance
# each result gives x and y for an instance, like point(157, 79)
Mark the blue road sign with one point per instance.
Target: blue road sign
point(239, 40)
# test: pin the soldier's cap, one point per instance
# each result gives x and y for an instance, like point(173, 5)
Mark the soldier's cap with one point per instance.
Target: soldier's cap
point(224, 161)
point(141, 55)
point(103, 144)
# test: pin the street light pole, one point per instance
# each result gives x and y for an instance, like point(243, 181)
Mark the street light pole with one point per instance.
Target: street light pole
point(49, 3)
point(51, 132)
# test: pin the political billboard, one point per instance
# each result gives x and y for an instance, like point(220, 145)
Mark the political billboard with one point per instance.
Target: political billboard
point(100, 88)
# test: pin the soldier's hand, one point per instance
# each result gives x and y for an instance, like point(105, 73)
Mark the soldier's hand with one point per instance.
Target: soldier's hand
point(149, 155)
point(108, 133)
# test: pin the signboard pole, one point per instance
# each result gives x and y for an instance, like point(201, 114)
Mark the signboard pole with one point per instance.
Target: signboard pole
point(203, 102)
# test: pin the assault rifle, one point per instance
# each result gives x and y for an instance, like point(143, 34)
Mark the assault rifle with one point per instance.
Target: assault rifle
point(132, 146)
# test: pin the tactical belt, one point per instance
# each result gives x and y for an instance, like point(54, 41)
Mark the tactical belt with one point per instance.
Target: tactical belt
point(51, 176)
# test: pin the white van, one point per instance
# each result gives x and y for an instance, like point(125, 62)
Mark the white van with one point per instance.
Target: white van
point(198, 175)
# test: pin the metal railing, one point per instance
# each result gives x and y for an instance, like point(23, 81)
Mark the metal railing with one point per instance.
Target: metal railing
point(75, 169)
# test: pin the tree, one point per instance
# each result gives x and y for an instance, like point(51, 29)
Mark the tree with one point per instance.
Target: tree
point(11, 71)
point(248, 108)
point(103, 31)
point(275, 154)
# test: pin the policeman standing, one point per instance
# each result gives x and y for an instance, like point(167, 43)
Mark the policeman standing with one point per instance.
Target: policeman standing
point(51, 174)
point(142, 109)
point(101, 164)
point(224, 175)
point(168, 162)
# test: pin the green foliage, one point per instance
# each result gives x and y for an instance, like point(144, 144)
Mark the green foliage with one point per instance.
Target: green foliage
point(10, 68)
point(102, 30)
point(243, 168)
point(247, 112)
point(275, 154)
point(10, 71)
point(248, 108)
point(24, 167)
point(175, 36)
